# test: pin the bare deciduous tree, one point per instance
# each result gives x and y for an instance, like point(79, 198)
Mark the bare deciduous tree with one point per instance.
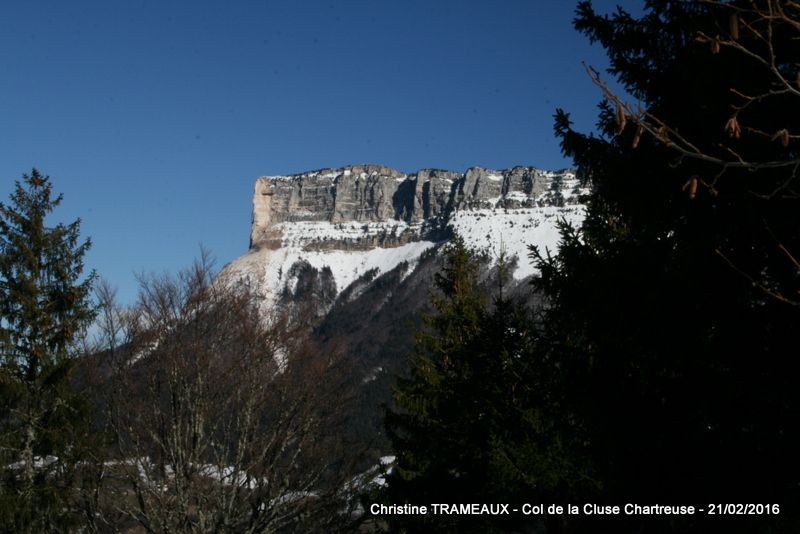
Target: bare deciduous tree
point(224, 421)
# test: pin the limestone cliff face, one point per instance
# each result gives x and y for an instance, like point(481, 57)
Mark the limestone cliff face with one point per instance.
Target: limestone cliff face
point(376, 194)
point(321, 232)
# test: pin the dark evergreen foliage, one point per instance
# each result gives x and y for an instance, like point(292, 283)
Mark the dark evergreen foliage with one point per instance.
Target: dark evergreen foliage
point(462, 412)
point(670, 335)
point(427, 430)
point(44, 304)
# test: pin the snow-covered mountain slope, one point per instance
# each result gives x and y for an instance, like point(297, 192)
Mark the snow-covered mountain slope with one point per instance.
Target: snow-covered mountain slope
point(343, 223)
point(513, 231)
point(272, 273)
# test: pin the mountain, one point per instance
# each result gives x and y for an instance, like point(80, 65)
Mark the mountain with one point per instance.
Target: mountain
point(351, 253)
point(319, 232)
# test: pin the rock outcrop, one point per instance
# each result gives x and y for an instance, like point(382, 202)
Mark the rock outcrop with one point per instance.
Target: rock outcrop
point(327, 229)
point(377, 194)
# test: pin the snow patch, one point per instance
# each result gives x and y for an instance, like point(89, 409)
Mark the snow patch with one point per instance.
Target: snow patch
point(266, 269)
point(513, 230)
point(347, 266)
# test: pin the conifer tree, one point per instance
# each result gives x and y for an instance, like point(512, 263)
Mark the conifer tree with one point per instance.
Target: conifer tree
point(44, 304)
point(459, 417)
point(425, 430)
point(671, 328)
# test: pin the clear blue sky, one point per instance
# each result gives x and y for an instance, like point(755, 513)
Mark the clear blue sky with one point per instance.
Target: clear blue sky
point(154, 117)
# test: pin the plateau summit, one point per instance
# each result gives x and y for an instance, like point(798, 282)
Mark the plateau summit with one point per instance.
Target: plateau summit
point(342, 224)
